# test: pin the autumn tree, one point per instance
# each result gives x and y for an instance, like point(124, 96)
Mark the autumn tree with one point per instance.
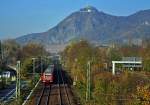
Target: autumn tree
point(145, 53)
point(33, 50)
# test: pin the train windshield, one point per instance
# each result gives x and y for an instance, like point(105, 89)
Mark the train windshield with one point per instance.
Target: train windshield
point(49, 69)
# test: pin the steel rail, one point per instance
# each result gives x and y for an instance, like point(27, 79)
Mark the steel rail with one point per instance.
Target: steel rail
point(8, 96)
point(48, 97)
point(41, 95)
point(59, 90)
point(31, 93)
point(65, 89)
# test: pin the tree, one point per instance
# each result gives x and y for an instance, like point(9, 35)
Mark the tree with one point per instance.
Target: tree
point(33, 50)
point(27, 67)
point(145, 53)
point(114, 54)
point(11, 51)
point(142, 95)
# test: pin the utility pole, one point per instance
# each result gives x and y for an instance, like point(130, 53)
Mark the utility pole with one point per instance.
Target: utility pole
point(75, 74)
point(33, 68)
point(41, 66)
point(89, 80)
point(18, 81)
point(1, 50)
point(88, 92)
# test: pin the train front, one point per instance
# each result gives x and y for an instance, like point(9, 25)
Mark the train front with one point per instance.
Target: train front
point(48, 76)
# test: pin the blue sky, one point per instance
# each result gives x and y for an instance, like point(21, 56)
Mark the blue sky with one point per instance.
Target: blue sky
point(21, 17)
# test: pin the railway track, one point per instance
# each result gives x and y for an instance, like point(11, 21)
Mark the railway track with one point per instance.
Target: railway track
point(8, 96)
point(56, 93)
point(44, 95)
point(63, 92)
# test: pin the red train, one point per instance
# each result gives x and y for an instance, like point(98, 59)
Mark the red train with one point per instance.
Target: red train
point(47, 76)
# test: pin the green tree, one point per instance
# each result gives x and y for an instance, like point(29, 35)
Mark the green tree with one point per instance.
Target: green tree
point(114, 54)
point(27, 67)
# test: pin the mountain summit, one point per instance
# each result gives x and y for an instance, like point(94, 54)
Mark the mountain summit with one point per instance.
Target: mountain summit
point(90, 24)
point(89, 9)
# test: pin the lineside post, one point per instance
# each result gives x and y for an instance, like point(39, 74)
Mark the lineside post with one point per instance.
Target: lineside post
point(18, 81)
point(113, 68)
point(88, 91)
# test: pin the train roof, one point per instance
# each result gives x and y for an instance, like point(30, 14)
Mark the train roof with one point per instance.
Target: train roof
point(49, 69)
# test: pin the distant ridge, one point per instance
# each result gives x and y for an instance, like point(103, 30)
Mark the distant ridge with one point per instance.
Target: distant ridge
point(90, 24)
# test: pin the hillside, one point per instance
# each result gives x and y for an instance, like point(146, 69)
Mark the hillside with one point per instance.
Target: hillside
point(90, 24)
